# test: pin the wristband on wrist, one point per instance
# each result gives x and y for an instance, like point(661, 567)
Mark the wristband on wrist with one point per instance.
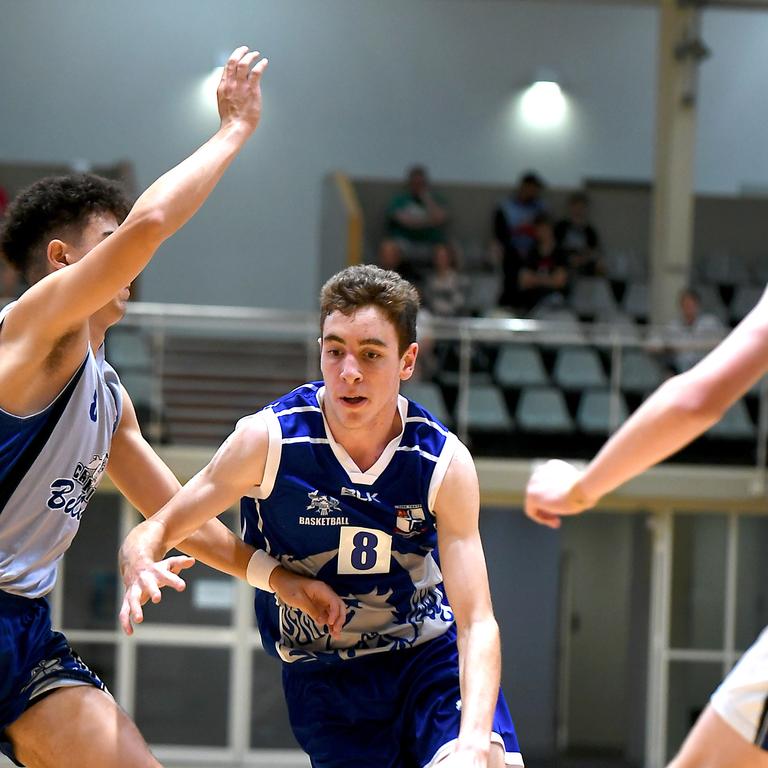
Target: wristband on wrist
point(260, 568)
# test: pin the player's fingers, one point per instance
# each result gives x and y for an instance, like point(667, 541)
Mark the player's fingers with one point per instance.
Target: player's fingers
point(258, 71)
point(245, 63)
point(150, 588)
point(125, 616)
point(548, 519)
point(234, 58)
point(178, 563)
point(133, 596)
point(168, 579)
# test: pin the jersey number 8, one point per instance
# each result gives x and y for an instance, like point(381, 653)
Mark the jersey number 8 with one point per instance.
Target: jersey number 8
point(363, 550)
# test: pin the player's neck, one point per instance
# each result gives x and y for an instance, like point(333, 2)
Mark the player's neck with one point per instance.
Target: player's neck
point(96, 333)
point(366, 443)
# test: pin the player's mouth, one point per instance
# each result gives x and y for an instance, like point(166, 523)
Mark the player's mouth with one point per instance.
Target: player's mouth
point(353, 402)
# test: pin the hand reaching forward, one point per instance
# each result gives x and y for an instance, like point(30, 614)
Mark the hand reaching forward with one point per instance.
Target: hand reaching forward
point(312, 596)
point(554, 491)
point(239, 91)
point(143, 583)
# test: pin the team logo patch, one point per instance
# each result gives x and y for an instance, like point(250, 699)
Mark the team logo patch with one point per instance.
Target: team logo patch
point(324, 504)
point(70, 495)
point(410, 519)
point(329, 509)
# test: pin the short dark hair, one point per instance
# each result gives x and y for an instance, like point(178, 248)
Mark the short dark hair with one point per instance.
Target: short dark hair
point(365, 285)
point(49, 207)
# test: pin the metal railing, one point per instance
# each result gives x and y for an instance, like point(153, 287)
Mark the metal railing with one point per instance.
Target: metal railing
point(158, 322)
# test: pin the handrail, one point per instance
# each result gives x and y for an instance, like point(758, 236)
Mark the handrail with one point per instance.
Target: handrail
point(259, 323)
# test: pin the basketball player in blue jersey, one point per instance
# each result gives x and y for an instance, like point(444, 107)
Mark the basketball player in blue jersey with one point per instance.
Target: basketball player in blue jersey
point(347, 481)
point(732, 732)
point(65, 420)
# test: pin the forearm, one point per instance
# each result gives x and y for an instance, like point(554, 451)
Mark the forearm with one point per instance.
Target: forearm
point(215, 545)
point(480, 671)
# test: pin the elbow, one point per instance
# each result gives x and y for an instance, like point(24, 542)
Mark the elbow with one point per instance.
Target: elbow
point(695, 400)
point(150, 224)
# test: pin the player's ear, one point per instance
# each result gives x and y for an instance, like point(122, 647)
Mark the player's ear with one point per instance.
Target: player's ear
point(408, 361)
point(56, 255)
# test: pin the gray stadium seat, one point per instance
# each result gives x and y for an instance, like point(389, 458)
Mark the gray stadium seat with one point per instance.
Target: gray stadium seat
point(594, 412)
point(592, 296)
point(483, 292)
point(626, 265)
point(722, 267)
point(578, 368)
point(736, 424)
point(640, 372)
point(487, 409)
point(611, 324)
point(635, 302)
point(543, 409)
point(519, 365)
point(429, 395)
point(566, 326)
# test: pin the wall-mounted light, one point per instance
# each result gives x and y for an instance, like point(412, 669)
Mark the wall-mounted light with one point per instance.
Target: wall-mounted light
point(543, 103)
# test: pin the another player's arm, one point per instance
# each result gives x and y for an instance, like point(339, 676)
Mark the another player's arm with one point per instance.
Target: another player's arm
point(148, 484)
point(462, 562)
point(66, 298)
point(683, 408)
point(234, 470)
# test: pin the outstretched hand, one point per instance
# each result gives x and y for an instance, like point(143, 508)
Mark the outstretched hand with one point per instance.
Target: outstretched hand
point(144, 583)
point(313, 597)
point(553, 491)
point(239, 91)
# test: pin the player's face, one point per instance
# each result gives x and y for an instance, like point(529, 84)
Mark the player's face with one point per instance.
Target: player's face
point(362, 368)
point(98, 228)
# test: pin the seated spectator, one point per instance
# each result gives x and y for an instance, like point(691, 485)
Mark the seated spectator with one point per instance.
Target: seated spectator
point(692, 326)
point(578, 238)
point(445, 288)
point(543, 273)
point(416, 221)
point(513, 229)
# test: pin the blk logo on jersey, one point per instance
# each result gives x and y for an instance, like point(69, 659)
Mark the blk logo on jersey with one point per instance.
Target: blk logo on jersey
point(71, 495)
point(325, 505)
point(410, 519)
point(361, 495)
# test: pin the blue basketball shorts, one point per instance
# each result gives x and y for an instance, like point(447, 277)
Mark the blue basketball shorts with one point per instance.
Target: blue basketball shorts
point(395, 709)
point(34, 660)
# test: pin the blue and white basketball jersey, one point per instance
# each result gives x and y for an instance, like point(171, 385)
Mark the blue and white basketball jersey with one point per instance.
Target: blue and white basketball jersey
point(369, 535)
point(50, 465)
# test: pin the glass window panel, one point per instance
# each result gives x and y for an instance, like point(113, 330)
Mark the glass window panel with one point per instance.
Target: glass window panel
point(690, 686)
point(698, 581)
point(270, 728)
point(102, 659)
point(208, 599)
point(90, 580)
point(752, 580)
point(182, 695)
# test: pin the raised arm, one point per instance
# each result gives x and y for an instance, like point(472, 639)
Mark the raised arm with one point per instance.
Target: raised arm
point(66, 298)
point(462, 562)
point(681, 409)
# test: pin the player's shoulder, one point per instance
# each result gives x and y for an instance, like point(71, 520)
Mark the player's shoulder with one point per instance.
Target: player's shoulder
point(303, 397)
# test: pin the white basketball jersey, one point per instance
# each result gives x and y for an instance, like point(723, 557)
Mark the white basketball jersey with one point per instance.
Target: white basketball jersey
point(50, 465)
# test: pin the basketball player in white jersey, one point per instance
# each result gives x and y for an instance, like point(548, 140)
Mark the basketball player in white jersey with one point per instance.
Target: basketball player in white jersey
point(732, 732)
point(65, 420)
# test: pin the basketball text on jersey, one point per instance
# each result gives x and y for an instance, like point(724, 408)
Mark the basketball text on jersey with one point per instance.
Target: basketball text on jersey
point(71, 495)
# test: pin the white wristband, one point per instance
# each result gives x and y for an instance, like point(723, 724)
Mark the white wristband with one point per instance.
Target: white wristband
point(260, 568)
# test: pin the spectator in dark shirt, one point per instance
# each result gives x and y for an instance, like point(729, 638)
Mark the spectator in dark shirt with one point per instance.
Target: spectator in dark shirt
point(416, 219)
point(578, 238)
point(514, 230)
point(543, 273)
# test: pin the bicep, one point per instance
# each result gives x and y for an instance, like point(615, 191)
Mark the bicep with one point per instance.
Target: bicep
point(457, 508)
point(134, 467)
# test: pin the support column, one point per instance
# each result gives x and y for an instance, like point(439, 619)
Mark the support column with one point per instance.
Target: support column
point(680, 51)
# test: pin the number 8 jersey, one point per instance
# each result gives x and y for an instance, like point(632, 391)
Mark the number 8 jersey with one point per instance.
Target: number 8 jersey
point(370, 535)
